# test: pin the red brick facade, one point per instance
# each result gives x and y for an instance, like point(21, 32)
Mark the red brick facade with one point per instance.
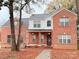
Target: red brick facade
point(57, 30)
point(70, 29)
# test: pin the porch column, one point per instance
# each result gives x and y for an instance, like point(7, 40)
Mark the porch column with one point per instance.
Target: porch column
point(39, 43)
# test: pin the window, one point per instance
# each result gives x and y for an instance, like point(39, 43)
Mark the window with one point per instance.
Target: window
point(36, 24)
point(64, 21)
point(34, 38)
point(42, 38)
point(64, 39)
point(48, 23)
point(9, 39)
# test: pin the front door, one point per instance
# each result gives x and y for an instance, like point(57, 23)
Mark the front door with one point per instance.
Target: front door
point(48, 39)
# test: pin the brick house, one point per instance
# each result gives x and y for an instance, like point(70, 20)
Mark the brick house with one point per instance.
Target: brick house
point(57, 30)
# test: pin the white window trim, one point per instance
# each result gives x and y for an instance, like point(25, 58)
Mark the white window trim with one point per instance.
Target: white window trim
point(36, 22)
point(64, 20)
point(66, 37)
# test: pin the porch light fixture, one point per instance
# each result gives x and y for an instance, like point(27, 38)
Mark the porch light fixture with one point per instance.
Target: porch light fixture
point(78, 26)
point(48, 33)
point(32, 33)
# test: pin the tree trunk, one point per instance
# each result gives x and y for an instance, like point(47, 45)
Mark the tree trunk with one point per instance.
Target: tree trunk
point(14, 47)
point(19, 34)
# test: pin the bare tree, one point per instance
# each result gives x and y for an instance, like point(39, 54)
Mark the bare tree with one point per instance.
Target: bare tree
point(20, 22)
point(9, 4)
point(14, 46)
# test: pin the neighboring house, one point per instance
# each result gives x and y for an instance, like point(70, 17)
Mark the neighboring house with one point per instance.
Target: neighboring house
point(57, 30)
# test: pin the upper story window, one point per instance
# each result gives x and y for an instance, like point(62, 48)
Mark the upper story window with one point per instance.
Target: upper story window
point(64, 21)
point(48, 23)
point(64, 39)
point(37, 24)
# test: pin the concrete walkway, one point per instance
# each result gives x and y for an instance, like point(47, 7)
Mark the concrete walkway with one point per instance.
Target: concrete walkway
point(45, 54)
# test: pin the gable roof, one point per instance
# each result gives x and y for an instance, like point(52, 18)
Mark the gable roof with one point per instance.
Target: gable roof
point(61, 9)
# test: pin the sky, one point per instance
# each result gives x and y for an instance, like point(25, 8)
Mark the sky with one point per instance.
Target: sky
point(4, 15)
point(4, 12)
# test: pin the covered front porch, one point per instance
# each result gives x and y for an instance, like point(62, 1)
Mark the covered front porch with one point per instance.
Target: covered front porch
point(40, 39)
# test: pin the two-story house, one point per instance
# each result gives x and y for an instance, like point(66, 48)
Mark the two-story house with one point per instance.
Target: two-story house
point(57, 30)
point(40, 27)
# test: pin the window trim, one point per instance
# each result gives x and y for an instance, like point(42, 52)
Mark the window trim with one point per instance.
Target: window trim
point(49, 21)
point(65, 20)
point(34, 40)
point(36, 24)
point(63, 37)
point(42, 38)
